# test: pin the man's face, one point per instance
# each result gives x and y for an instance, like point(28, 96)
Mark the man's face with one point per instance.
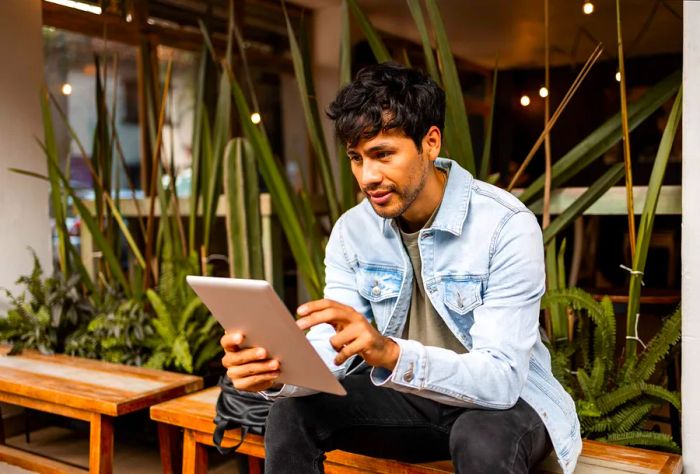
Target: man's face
point(390, 170)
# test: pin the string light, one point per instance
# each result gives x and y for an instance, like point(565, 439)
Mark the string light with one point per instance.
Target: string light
point(543, 92)
point(588, 8)
point(66, 89)
point(618, 76)
point(525, 101)
point(255, 118)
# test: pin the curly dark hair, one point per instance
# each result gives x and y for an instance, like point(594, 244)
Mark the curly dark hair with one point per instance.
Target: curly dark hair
point(384, 97)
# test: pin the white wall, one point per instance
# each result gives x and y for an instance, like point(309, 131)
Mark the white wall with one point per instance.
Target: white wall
point(690, 252)
point(24, 213)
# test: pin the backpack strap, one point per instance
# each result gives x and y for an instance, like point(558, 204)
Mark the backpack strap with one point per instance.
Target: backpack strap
point(219, 436)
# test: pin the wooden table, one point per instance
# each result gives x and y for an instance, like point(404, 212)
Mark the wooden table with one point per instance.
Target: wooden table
point(82, 389)
point(194, 413)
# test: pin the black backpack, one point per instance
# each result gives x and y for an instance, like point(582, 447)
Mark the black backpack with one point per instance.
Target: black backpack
point(235, 409)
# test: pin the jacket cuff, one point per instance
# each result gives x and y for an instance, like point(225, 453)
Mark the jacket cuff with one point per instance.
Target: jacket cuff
point(410, 370)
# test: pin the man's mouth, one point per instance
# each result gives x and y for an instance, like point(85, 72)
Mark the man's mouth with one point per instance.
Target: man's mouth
point(380, 197)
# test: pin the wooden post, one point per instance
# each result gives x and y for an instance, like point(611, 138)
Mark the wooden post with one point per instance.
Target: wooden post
point(194, 455)
point(101, 444)
point(170, 442)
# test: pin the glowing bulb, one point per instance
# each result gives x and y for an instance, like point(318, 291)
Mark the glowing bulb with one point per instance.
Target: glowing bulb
point(618, 76)
point(255, 118)
point(128, 18)
point(66, 89)
point(588, 8)
point(524, 101)
point(543, 92)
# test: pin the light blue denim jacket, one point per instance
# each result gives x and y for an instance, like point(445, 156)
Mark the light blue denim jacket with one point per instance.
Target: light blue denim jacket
point(483, 270)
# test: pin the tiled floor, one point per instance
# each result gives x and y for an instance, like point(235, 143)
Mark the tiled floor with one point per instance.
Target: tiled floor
point(130, 456)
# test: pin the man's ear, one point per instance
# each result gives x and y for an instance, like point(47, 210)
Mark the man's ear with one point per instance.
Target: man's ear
point(432, 141)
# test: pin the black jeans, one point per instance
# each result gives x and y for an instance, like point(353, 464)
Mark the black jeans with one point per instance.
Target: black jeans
point(384, 423)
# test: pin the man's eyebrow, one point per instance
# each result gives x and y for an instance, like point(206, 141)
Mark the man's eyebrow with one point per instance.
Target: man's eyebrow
point(380, 146)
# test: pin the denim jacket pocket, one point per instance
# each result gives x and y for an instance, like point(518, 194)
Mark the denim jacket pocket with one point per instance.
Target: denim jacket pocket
point(462, 296)
point(377, 283)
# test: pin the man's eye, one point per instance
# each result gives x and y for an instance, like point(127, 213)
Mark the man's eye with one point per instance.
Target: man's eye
point(355, 158)
point(383, 154)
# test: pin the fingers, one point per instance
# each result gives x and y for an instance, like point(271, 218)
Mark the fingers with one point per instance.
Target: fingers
point(349, 350)
point(243, 356)
point(319, 305)
point(257, 383)
point(344, 337)
point(238, 372)
point(231, 341)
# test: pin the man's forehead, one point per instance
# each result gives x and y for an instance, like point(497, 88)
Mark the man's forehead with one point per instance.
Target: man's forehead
point(384, 139)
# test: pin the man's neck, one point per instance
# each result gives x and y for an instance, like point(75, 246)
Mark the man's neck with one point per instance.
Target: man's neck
point(430, 197)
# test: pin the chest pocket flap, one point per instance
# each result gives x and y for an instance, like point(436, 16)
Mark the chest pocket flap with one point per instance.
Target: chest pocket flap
point(462, 296)
point(378, 283)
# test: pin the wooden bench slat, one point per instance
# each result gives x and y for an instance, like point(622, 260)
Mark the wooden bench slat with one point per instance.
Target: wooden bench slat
point(196, 412)
point(36, 463)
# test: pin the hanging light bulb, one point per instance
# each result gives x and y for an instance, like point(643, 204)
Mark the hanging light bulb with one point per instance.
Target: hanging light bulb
point(66, 89)
point(543, 92)
point(525, 100)
point(618, 76)
point(255, 118)
point(588, 8)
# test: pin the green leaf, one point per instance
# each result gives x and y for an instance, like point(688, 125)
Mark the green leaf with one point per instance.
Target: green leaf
point(181, 353)
point(642, 438)
point(282, 197)
point(419, 20)
point(646, 222)
point(583, 202)
point(56, 191)
point(486, 155)
point(457, 133)
point(302, 70)
point(658, 348)
point(603, 138)
point(163, 322)
point(375, 42)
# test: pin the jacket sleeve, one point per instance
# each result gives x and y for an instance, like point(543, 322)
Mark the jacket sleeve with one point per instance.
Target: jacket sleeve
point(505, 330)
point(340, 287)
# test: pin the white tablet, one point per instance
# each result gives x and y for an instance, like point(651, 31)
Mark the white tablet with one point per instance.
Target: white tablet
point(253, 307)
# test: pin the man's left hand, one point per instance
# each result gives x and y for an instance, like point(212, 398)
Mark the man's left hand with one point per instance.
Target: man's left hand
point(354, 333)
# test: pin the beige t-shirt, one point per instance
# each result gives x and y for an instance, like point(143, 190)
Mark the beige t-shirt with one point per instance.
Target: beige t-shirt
point(424, 324)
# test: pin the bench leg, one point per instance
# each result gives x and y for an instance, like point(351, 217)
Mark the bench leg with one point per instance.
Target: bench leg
point(254, 465)
point(194, 455)
point(170, 443)
point(101, 444)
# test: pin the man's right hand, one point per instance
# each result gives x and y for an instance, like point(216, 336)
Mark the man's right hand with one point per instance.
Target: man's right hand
point(249, 369)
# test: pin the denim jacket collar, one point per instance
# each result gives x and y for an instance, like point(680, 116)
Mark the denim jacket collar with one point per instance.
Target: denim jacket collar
point(455, 201)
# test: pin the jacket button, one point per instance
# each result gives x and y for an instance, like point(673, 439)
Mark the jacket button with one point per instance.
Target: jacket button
point(408, 376)
point(376, 291)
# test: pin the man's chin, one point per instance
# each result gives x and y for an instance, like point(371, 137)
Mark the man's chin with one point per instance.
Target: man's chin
point(387, 212)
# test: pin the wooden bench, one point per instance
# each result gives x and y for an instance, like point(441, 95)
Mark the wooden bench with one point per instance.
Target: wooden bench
point(82, 389)
point(194, 414)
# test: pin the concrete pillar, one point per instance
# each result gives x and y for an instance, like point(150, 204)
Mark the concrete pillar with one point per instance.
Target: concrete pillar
point(24, 211)
point(690, 253)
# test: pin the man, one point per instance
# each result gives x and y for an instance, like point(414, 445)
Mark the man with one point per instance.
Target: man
point(431, 315)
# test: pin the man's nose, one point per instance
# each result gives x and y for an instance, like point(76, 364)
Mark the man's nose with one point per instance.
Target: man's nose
point(370, 174)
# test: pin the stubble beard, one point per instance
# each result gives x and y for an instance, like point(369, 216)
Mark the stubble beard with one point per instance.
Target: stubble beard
point(405, 198)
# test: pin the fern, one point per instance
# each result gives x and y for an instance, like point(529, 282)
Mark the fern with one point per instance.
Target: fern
point(658, 348)
point(597, 378)
point(625, 419)
point(663, 394)
point(617, 398)
point(610, 401)
point(642, 438)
